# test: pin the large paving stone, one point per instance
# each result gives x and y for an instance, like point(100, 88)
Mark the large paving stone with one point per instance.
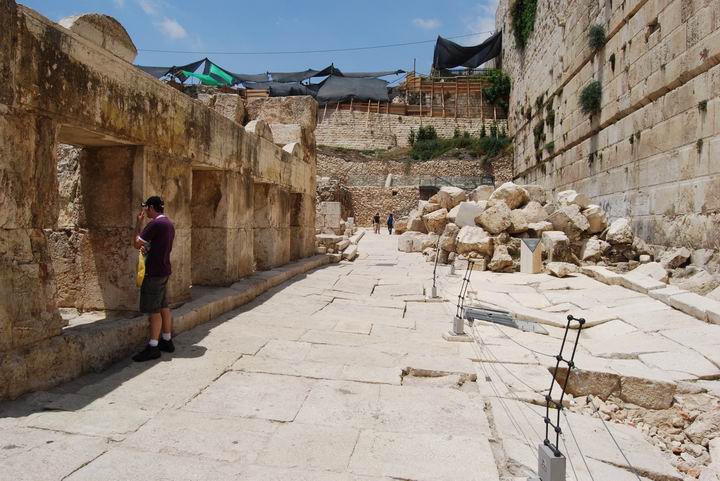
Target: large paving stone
point(254, 395)
point(684, 361)
point(436, 457)
point(347, 404)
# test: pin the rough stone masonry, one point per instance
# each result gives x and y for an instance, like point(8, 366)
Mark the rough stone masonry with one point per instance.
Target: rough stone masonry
point(240, 198)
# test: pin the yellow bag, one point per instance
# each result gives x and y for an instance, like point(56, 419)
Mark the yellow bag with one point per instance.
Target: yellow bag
point(140, 269)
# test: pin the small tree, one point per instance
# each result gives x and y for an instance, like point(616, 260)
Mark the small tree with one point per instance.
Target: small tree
point(411, 137)
point(596, 37)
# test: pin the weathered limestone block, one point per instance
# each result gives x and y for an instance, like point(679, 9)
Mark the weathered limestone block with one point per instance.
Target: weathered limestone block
point(561, 269)
point(501, 260)
point(650, 394)
point(452, 214)
point(328, 240)
point(583, 382)
point(496, 218)
point(435, 221)
point(401, 226)
point(653, 270)
point(415, 223)
point(231, 106)
point(474, 239)
point(429, 240)
point(534, 212)
point(448, 239)
point(260, 128)
point(512, 194)
point(284, 134)
point(674, 257)
point(468, 211)
point(536, 193)
point(294, 149)
point(518, 222)
point(481, 192)
point(449, 197)
point(593, 249)
point(705, 426)
point(103, 31)
point(350, 253)
point(570, 197)
point(429, 207)
point(556, 245)
point(410, 241)
point(535, 229)
point(568, 219)
point(596, 218)
point(620, 232)
point(301, 110)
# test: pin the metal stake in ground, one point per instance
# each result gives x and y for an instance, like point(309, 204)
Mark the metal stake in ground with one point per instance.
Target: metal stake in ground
point(551, 462)
point(433, 293)
point(457, 333)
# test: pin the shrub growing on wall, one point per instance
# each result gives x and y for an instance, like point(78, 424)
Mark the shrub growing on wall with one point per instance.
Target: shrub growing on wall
point(591, 98)
point(498, 93)
point(596, 37)
point(523, 20)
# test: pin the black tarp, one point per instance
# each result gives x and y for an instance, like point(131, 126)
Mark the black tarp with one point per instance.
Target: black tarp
point(294, 76)
point(370, 74)
point(157, 72)
point(250, 77)
point(341, 89)
point(448, 54)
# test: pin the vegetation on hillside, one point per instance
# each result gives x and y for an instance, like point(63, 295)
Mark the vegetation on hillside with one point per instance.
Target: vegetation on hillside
point(426, 144)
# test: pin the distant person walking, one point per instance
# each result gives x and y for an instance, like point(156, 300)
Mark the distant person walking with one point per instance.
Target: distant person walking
point(156, 242)
point(390, 223)
point(376, 222)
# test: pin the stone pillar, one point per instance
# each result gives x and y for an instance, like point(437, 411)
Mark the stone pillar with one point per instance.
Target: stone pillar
point(271, 244)
point(222, 227)
point(170, 177)
point(302, 226)
point(28, 204)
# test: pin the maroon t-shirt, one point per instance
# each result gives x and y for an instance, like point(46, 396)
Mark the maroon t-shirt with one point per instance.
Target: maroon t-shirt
point(160, 233)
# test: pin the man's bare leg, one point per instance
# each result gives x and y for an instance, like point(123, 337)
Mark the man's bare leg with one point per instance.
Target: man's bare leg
point(156, 322)
point(166, 315)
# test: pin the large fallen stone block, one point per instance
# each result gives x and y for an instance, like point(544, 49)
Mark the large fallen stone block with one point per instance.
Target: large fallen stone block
point(467, 212)
point(449, 196)
point(640, 283)
point(342, 245)
point(674, 257)
point(556, 245)
point(653, 270)
point(518, 222)
point(429, 207)
point(536, 193)
point(512, 194)
point(571, 197)
point(350, 253)
point(602, 274)
point(410, 241)
point(448, 239)
point(436, 221)
point(596, 218)
point(401, 226)
point(534, 212)
point(620, 232)
point(452, 214)
point(328, 240)
point(415, 223)
point(495, 219)
point(650, 394)
point(501, 260)
point(593, 249)
point(482, 192)
point(474, 239)
point(697, 306)
point(260, 128)
point(535, 229)
point(568, 219)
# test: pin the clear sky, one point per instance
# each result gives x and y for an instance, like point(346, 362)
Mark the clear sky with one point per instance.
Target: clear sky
point(285, 25)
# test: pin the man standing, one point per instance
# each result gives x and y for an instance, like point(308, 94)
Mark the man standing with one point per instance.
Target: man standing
point(376, 222)
point(156, 241)
point(390, 222)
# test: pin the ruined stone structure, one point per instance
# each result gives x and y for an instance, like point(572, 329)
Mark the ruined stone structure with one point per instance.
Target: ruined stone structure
point(652, 152)
point(373, 131)
point(241, 198)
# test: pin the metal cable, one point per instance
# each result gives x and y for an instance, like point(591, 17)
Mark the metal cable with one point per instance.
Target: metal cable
point(524, 347)
point(572, 433)
point(597, 411)
point(569, 458)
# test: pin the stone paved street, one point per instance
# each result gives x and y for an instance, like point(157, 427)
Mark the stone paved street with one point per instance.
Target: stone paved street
point(304, 383)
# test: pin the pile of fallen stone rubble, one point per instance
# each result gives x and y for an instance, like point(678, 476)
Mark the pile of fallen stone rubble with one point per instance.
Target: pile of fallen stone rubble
point(688, 430)
point(339, 246)
point(487, 224)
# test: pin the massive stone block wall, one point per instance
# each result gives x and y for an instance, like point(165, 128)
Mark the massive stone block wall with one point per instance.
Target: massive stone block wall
point(653, 152)
point(66, 230)
point(372, 131)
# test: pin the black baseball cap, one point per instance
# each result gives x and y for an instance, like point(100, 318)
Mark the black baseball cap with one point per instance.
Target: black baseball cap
point(154, 201)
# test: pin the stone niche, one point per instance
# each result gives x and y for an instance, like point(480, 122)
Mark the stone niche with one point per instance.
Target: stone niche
point(222, 227)
point(271, 242)
point(93, 261)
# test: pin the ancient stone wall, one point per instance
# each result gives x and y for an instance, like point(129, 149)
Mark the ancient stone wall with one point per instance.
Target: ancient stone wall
point(652, 151)
point(372, 131)
point(67, 219)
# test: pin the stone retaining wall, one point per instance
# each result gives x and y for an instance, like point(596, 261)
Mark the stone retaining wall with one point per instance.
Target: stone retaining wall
point(652, 152)
point(373, 131)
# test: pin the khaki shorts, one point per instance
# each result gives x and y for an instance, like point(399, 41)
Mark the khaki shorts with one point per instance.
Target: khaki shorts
point(152, 295)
